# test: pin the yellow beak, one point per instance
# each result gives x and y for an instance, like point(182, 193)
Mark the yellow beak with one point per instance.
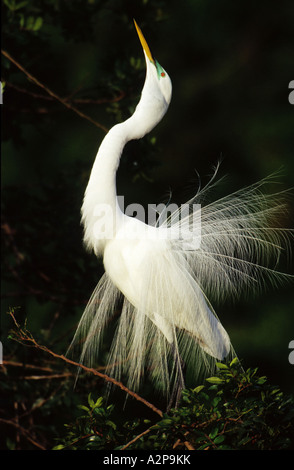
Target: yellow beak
point(144, 43)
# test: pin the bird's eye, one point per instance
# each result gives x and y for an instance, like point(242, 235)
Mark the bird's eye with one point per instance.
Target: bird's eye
point(162, 74)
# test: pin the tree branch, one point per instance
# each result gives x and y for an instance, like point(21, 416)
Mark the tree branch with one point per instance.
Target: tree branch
point(51, 93)
point(75, 100)
point(25, 337)
point(23, 432)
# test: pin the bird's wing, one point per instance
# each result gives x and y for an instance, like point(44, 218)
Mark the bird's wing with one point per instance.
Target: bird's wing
point(234, 243)
point(158, 282)
point(165, 317)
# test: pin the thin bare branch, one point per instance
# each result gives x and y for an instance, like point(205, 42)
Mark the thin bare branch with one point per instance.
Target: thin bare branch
point(23, 431)
point(51, 93)
point(136, 438)
point(25, 337)
point(98, 101)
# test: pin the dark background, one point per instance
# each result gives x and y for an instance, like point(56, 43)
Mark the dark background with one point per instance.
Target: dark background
point(230, 63)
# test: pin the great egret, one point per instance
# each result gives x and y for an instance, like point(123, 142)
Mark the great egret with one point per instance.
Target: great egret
point(167, 321)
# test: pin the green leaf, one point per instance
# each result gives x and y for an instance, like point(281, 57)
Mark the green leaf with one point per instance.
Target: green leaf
point(219, 439)
point(213, 433)
point(220, 365)
point(38, 23)
point(7, 3)
point(111, 424)
point(91, 401)
point(58, 447)
point(20, 5)
point(10, 444)
point(13, 6)
point(234, 361)
point(215, 380)
point(82, 407)
point(261, 380)
point(216, 401)
point(99, 402)
point(165, 422)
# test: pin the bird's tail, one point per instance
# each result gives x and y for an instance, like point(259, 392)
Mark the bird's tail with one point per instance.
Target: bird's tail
point(97, 316)
point(139, 346)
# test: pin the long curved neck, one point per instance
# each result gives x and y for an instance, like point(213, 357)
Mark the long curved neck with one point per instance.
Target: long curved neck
point(103, 173)
point(100, 193)
point(100, 199)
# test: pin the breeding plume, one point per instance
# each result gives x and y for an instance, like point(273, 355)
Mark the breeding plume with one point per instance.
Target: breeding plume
point(161, 278)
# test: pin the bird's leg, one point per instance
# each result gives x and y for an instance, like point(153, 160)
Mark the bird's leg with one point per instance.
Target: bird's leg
point(179, 377)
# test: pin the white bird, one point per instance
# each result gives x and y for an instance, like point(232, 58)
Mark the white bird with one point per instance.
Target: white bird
point(165, 273)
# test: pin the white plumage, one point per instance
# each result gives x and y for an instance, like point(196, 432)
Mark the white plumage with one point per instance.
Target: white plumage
point(165, 273)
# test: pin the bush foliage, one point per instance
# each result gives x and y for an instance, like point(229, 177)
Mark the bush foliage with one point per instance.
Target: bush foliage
point(234, 410)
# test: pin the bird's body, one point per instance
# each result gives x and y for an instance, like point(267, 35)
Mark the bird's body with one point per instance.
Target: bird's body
point(165, 272)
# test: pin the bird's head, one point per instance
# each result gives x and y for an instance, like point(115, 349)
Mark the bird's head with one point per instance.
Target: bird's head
point(157, 90)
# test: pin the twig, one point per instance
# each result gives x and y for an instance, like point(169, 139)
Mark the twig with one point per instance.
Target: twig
point(22, 431)
point(9, 240)
point(51, 93)
point(136, 438)
point(24, 335)
point(47, 377)
point(187, 444)
point(26, 366)
point(75, 100)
